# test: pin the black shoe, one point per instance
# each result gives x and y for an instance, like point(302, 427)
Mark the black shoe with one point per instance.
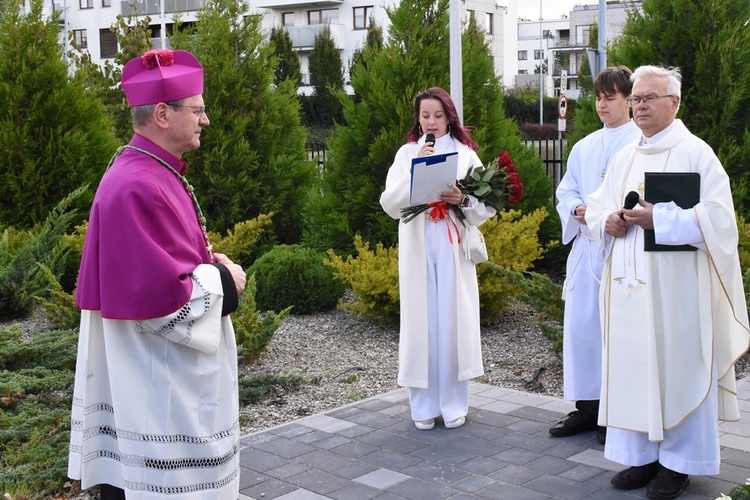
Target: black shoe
point(667, 484)
point(635, 477)
point(575, 423)
point(601, 435)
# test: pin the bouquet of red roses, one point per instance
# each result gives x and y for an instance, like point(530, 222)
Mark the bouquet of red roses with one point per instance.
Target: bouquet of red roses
point(496, 185)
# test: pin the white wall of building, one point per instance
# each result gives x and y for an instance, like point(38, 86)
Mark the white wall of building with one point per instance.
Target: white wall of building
point(348, 19)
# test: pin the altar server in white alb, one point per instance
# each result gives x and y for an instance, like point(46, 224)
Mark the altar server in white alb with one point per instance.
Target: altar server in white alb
point(155, 406)
point(588, 162)
point(673, 322)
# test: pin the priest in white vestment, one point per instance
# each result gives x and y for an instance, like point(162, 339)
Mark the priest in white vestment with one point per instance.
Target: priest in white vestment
point(155, 406)
point(588, 161)
point(673, 322)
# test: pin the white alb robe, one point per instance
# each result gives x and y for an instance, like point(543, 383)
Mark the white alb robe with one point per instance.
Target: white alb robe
point(168, 425)
point(587, 163)
point(669, 317)
point(412, 267)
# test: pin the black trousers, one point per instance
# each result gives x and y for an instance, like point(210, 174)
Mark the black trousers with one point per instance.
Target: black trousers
point(588, 407)
point(107, 492)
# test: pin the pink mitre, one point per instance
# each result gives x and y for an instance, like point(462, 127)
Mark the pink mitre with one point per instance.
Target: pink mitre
point(161, 76)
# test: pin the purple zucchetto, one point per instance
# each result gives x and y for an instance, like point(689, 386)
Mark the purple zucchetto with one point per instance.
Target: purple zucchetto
point(162, 76)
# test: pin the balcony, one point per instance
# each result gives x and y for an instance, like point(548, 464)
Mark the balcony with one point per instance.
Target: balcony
point(303, 37)
point(298, 4)
point(153, 7)
point(579, 42)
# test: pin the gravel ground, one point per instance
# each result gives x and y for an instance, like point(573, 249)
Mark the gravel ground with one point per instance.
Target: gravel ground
point(343, 358)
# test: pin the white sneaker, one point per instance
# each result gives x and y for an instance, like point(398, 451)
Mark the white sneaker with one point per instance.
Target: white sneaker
point(425, 425)
point(455, 423)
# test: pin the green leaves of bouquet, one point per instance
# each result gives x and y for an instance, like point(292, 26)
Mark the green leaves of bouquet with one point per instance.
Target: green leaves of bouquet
point(496, 185)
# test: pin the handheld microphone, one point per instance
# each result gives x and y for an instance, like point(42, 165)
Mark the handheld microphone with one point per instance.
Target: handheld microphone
point(430, 138)
point(631, 200)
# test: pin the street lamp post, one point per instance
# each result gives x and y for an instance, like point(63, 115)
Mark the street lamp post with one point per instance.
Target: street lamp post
point(456, 63)
point(541, 69)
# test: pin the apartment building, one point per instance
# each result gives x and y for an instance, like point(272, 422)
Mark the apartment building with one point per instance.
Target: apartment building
point(90, 22)
point(561, 44)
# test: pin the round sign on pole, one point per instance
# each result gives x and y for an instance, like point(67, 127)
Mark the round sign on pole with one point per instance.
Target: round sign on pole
point(562, 107)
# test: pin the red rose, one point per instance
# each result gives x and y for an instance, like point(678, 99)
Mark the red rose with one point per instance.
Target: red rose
point(504, 160)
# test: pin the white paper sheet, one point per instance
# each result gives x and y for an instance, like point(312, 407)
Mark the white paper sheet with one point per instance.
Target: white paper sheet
point(431, 175)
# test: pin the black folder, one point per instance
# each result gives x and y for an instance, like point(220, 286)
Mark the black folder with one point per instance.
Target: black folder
point(684, 188)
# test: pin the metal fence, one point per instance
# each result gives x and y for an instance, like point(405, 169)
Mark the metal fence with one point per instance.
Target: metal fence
point(317, 149)
point(549, 150)
point(551, 153)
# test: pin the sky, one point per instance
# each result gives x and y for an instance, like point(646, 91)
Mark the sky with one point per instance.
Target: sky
point(551, 9)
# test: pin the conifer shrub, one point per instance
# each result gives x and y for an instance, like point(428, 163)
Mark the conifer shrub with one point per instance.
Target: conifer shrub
point(743, 246)
point(59, 305)
point(373, 277)
point(544, 296)
point(739, 492)
point(21, 281)
point(252, 330)
point(36, 383)
point(292, 275)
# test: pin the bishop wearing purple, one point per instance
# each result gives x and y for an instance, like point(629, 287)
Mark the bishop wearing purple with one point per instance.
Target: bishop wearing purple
point(155, 406)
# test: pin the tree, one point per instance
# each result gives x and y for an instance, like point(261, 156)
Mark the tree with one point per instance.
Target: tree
point(326, 77)
point(133, 39)
point(252, 159)
point(585, 79)
point(710, 43)
point(362, 149)
point(373, 43)
point(288, 67)
point(54, 136)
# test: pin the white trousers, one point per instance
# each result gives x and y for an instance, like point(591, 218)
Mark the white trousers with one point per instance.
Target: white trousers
point(444, 395)
point(690, 448)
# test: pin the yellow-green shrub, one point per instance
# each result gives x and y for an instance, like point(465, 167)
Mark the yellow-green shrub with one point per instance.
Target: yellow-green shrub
point(239, 243)
point(373, 277)
point(512, 243)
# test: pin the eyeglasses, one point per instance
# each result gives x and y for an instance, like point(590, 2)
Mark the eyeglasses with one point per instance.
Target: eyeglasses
point(198, 111)
point(648, 99)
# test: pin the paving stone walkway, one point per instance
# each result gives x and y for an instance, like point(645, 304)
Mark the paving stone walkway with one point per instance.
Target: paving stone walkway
point(371, 449)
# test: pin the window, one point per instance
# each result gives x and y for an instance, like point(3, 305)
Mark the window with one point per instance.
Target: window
point(107, 44)
point(362, 17)
point(86, 4)
point(582, 34)
point(537, 54)
point(80, 40)
point(287, 18)
point(489, 23)
point(523, 55)
point(106, 3)
point(328, 16)
point(523, 71)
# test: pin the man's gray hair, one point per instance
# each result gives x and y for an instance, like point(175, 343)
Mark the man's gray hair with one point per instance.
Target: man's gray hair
point(674, 77)
point(142, 114)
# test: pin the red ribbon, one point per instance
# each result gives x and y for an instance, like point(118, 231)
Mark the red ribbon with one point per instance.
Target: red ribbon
point(440, 211)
